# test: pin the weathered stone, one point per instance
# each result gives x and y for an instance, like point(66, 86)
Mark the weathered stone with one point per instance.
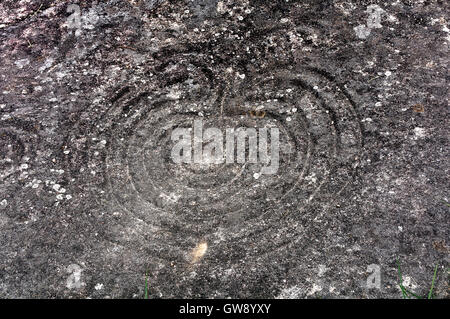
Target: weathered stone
point(91, 201)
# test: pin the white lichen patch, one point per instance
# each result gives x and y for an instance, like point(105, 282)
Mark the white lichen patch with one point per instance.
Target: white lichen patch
point(174, 95)
point(419, 132)
point(22, 63)
point(98, 286)
point(408, 283)
point(170, 198)
point(74, 280)
point(198, 252)
point(58, 188)
point(322, 270)
point(373, 22)
point(290, 293)
point(315, 289)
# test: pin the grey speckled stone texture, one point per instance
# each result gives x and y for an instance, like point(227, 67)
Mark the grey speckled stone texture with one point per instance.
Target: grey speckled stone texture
point(90, 200)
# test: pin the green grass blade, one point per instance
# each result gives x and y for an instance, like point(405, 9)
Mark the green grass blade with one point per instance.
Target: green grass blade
point(400, 283)
point(146, 287)
point(413, 294)
point(406, 293)
point(430, 294)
